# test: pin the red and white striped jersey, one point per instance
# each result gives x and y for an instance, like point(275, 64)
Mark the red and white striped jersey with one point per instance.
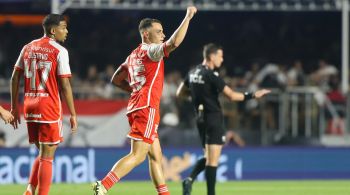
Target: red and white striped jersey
point(42, 61)
point(145, 66)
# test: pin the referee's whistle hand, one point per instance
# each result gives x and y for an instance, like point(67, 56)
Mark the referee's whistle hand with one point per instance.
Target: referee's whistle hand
point(260, 93)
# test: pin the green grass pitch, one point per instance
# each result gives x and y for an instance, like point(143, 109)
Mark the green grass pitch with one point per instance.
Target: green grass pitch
point(302, 187)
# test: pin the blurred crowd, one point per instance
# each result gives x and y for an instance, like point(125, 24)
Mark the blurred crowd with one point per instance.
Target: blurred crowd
point(273, 76)
point(271, 50)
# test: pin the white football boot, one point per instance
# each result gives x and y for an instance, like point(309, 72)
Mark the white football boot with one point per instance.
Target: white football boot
point(98, 188)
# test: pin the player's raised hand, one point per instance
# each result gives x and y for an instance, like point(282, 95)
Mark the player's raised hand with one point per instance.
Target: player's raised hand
point(260, 93)
point(191, 10)
point(73, 123)
point(16, 118)
point(6, 116)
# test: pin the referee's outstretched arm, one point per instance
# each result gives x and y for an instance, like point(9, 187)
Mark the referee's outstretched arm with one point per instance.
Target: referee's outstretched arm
point(238, 96)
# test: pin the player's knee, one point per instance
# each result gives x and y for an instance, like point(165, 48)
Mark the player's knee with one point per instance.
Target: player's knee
point(155, 159)
point(139, 157)
point(212, 162)
point(47, 150)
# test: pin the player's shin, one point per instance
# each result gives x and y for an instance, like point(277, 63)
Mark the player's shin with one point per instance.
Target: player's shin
point(44, 175)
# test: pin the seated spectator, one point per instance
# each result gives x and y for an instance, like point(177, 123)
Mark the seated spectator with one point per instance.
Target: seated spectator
point(272, 76)
point(107, 88)
point(335, 121)
point(321, 76)
point(168, 106)
point(296, 75)
point(93, 83)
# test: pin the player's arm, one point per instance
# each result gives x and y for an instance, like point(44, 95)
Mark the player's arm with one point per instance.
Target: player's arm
point(16, 75)
point(6, 115)
point(68, 95)
point(183, 92)
point(119, 79)
point(178, 36)
point(238, 96)
point(14, 87)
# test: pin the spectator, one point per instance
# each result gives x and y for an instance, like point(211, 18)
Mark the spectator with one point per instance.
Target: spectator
point(107, 88)
point(272, 76)
point(335, 121)
point(296, 75)
point(322, 75)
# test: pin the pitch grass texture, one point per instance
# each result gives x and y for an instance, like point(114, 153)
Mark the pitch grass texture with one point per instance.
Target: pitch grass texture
point(302, 187)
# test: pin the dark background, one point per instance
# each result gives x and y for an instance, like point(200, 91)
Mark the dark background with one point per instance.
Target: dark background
point(102, 37)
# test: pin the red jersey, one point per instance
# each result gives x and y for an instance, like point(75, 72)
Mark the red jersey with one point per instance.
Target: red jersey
point(145, 66)
point(42, 62)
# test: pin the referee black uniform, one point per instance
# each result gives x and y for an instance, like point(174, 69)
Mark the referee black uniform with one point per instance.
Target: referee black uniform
point(205, 86)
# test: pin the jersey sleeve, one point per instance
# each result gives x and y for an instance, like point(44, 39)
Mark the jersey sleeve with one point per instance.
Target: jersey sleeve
point(156, 52)
point(217, 81)
point(124, 65)
point(63, 68)
point(20, 63)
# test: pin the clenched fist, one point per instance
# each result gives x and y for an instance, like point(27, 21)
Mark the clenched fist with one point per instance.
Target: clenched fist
point(191, 10)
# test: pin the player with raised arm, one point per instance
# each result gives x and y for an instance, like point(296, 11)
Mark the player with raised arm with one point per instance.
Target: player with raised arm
point(142, 74)
point(44, 63)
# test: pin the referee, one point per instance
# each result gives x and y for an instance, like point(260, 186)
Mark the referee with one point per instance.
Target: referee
point(204, 85)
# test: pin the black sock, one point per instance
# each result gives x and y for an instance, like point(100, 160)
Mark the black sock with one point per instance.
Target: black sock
point(210, 176)
point(198, 167)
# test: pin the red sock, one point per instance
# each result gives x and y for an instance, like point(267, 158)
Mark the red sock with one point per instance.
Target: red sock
point(27, 193)
point(110, 179)
point(33, 179)
point(162, 190)
point(44, 176)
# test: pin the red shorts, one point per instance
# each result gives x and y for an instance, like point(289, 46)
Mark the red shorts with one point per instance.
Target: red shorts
point(144, 124)
point(45, 133)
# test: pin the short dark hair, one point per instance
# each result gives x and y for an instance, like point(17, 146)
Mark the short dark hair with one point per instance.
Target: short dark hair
point(210, 48)
point(147, 22)
point(52, 20)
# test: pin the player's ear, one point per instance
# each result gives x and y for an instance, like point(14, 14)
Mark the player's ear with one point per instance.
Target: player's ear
point(145, 34)
point(211, 57)
point(53, 30)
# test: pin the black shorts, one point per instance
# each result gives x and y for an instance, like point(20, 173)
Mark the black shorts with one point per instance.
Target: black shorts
point(211, 129)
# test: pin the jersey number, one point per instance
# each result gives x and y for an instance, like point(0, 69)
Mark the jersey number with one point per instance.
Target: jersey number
point(31, 70)
point(136, 74)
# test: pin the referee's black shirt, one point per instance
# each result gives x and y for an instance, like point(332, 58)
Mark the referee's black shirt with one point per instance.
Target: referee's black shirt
point(205, 86)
